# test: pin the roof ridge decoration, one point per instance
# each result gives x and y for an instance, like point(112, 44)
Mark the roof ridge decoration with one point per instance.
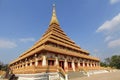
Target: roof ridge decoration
point(54, 17)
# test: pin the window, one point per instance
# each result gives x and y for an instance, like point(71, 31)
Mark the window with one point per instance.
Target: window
point(76, 65)
point(28, 64)
point(61, 64)
point(40, 63)
point(81, 64)
point(33, 63)
point(69, 65)
point(85, 64)
point(51, 62)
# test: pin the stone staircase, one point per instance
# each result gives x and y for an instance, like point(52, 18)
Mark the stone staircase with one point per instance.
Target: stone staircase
point(72, 75)
point(91, 72)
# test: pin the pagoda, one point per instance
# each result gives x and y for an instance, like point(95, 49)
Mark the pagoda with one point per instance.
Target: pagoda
point(55, 52)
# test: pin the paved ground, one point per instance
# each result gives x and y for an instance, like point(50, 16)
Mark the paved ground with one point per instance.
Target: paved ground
point(103, 76)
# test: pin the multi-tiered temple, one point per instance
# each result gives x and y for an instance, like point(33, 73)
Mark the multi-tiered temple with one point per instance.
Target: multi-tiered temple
point(54, 52)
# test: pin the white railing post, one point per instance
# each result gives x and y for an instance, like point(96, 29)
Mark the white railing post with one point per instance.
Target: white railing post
point(66, 76)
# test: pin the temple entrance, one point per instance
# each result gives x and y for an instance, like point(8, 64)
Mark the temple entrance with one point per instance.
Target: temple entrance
point(61, 64)
point(92, 65)
point(81, 64)
point(33, 63)
point(50, 62)
point(76, 65)
point(39, 63)
point(69, 64)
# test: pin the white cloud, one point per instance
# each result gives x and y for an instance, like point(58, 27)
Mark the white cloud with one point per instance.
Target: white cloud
point(110, 25)
point(7, 44)
point(114, 1)
point(95, 50)
point(27, 39)
point(114, 43)
point(111, 29)
point(108, 38)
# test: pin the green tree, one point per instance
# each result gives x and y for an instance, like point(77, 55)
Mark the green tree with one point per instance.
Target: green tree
point(113, 61)
point(107, 61)
point(103, 64)
point(3, 66)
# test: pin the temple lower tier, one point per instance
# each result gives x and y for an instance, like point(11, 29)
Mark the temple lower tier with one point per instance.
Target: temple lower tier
point(52, 62)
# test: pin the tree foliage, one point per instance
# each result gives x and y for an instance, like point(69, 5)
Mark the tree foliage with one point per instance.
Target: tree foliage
point(103, 64)
point(113, 61)
point(3, 66)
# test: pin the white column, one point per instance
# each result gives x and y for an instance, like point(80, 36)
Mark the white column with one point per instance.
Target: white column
point(36, 61)
point(66, 65)
point(78, 64)
point(87, 63)
point(23, 65)
point(97, 64)
point(94, 64)
point(26, 64)
point(30, 62)
point(44, 61)
point(66, 76)
point(56, 61)
point(83, 63)
point(73, 65)
point(91, 64)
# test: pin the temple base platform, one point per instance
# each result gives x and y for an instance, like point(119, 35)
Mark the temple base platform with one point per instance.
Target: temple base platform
point(41, 76)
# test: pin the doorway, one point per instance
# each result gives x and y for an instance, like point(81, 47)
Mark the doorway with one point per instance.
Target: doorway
point(61, 64)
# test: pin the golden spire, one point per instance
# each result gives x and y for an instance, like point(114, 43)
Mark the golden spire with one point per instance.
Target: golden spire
point(54, 17)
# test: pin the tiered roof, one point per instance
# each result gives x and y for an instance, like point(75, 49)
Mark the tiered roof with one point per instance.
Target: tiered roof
point(55, 40)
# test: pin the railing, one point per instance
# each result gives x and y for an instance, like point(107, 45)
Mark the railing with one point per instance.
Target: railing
point(35, 69)
point(61, 71)
point(38, 69)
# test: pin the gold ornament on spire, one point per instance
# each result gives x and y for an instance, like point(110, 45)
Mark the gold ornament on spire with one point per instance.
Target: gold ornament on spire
point(54, 17)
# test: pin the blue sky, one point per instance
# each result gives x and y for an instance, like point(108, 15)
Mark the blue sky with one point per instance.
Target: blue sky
point(93, 24)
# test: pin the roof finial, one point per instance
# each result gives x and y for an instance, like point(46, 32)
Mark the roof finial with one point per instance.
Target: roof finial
point(54, 17)
point(54, 8)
